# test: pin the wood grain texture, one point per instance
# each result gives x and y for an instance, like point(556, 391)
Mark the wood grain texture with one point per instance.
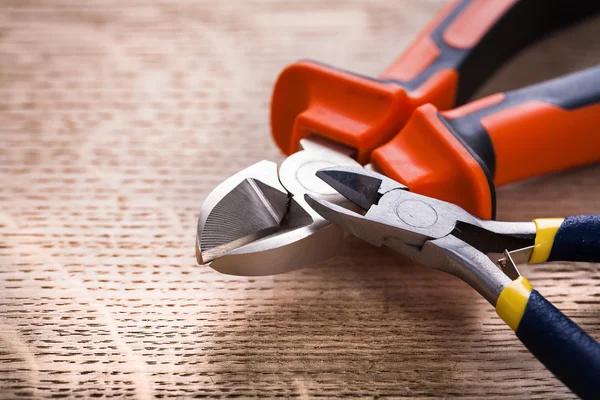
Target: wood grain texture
point(116, 120)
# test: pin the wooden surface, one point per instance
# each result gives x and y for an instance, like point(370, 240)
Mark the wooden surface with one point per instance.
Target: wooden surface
point(118, 118)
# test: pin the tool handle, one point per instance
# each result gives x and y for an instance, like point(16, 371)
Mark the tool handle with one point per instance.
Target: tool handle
point(539, 129)
point(461, 155)
point(575, 238)
point(470, 39)
point(464, 44)
point(560, 344)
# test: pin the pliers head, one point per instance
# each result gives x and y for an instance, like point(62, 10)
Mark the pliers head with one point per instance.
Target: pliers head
point(392, 212)
point(257, 222)
point(434, 233)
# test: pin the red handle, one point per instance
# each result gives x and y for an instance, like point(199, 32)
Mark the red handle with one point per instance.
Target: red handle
point(462, 154)
point(440, 53)
point(464, 44)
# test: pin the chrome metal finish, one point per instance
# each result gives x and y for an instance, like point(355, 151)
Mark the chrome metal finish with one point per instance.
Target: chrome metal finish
point(258, 223)
point(364, 189)
point(432, 232)
point(508, 266)
point(243, 208)
point(458, 258)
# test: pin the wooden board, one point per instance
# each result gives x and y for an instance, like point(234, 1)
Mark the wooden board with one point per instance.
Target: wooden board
point(117, 119)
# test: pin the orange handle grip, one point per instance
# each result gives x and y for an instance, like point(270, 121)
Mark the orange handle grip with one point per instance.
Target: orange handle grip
point(462, 154)
point(470, 39)
point(448, 45)
point(535, 130)
point(464, 44)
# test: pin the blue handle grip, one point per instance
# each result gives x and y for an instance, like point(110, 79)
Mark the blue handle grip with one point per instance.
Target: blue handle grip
point(562, 346)
point(577, 239)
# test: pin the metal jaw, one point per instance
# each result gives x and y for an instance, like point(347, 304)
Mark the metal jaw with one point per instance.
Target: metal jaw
point(257, 222)
point(434, 233)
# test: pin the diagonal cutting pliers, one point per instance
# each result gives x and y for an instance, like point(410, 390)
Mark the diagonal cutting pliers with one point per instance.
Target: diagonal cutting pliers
point(257, 222)
point(445, 237)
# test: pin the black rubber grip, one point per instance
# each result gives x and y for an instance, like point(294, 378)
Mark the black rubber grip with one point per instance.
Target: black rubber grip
point(562, 346)
point(577, 239)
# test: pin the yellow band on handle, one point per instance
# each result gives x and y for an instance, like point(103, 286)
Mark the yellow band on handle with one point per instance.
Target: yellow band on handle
point(546, 229)
point(512, 302)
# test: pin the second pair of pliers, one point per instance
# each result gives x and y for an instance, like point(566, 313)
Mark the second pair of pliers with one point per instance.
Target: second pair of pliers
point(445, 237)
point(404, 125)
